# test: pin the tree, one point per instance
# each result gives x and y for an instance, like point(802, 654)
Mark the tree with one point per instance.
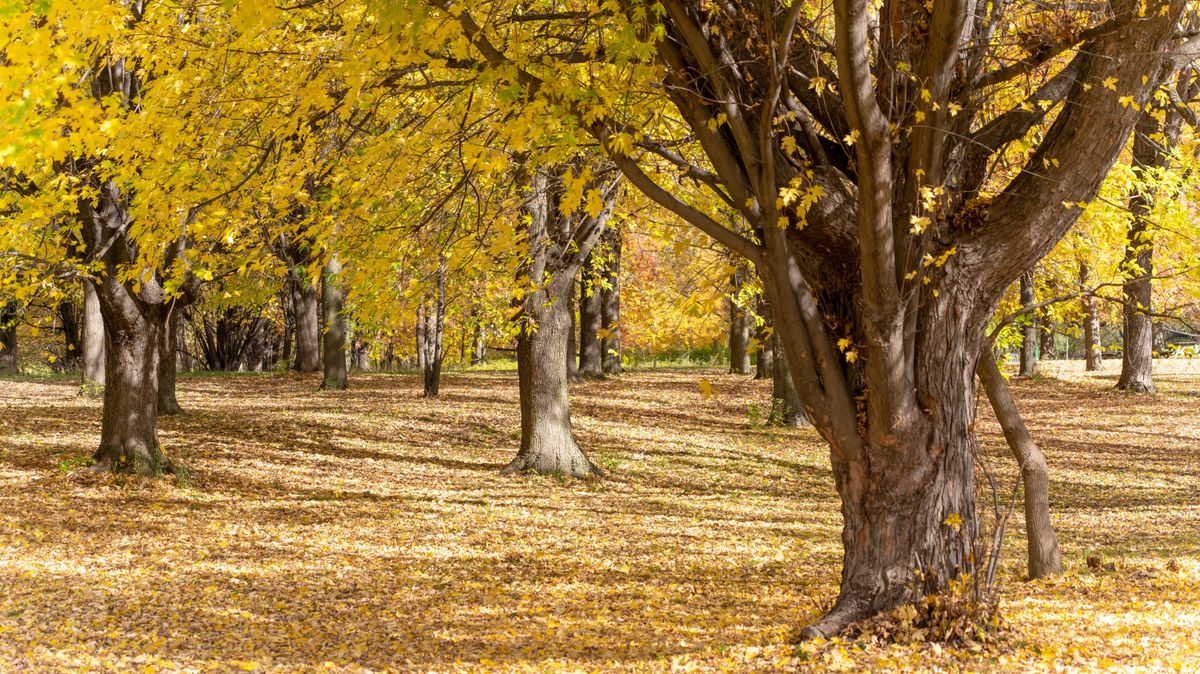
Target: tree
point(591, 320)
point(1092, 348)
point(333, 352)
point(1030, 334)
point(764, 368)
point(93, 339)
point(610, 303)
point(559, 238)
point(739, 325)
point(9, 362)
point(881, 253)
point(786, 408)
point(434, 332)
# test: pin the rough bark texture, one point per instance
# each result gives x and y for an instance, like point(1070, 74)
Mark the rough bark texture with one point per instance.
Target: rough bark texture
point(9, 361)
point(590, 320)
point(1152, 143)
point(1030, 335)
point(168, 348)
point(558, 244)
point(69, 318)
point(610, 309)
point(572, 339)
point(93, 339)
point(1093, 350)
point(333, 353)
point(1042, 543)
point(739, 327)
point(306, 319)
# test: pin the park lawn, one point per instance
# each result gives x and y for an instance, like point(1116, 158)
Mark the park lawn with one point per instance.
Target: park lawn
point(369, 530)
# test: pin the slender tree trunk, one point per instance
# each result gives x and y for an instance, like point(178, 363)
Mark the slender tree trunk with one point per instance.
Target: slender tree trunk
point(1030, 334)
point(764, 368)
point(93, 339)
point(168, 347)
point(8, 338)
point(1092, 349)
point(572, 355)
point(333, 355)
point(739, 329)
point(1044, 557)
point(1152, 144)
point(289, 323)
point(479, 344)
point(590, 320)
point(434, 336)
point(68, 314)
point(422, 337)
point(307, 321)
point(610, 307)
point(786, 409)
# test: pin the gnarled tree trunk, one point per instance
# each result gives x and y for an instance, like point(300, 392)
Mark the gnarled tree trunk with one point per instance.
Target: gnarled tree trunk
point(333, 355)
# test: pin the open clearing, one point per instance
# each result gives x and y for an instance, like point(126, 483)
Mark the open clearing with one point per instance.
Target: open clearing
point(369, 530)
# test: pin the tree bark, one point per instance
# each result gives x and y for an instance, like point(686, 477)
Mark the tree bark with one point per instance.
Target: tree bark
point(786, 409)
point(68, 314)
point(9, 361)
point(572, 339)
point(333, 355)
point(93, 339)
point(478, 343)
point(1030, 335)
point(590, 320)
point(306, 319)
point(1042, 543)
point(610, 303)
point(1093, 350)
point(739, 328)
point(764, 367)
point(435, 336)
point(168, 348)
point(558, 244)
point(1152, 144)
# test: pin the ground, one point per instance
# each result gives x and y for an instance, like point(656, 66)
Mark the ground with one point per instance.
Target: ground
point(369, 530)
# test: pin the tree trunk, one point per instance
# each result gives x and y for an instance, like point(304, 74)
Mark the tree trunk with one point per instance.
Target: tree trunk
point(547, 444)
point(610, 304)
point(333, 355)
point(68, 314)
point(558, 244)
point(1152, 144)
point(739, 328)
point(786, 409)
point(434, 336)
point(1029, 332)
point(764, 368)
point(168, 348)
point(1093, 350)
point(306, 319)
point(590, 320)
point(478, 344)
point(93, 339)
point(421, 337)
point(289, 323)
point(8, 338)
point(1042, 543)
point(572, 355)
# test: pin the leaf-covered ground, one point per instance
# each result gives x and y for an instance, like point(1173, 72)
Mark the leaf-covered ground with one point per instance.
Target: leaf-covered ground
point(369, 530)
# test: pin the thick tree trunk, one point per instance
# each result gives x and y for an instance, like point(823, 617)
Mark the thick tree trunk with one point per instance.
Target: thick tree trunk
point(333, 355)
point(1030, 334)
point(764, 367)
point(1093, 350)
point(168, 348)
point(435, 335)
point(590, 321)
point(739, 329)
point(547, 444)
point(1042, 543)
point(306, 319)
point(93, 339)
point(786, 409)
point(8, 338)
point(610, 309)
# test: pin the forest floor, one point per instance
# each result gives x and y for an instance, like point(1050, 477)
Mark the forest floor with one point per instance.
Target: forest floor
point(370, 530)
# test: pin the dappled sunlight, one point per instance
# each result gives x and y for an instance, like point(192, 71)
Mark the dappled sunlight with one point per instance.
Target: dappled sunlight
point(370, 530)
